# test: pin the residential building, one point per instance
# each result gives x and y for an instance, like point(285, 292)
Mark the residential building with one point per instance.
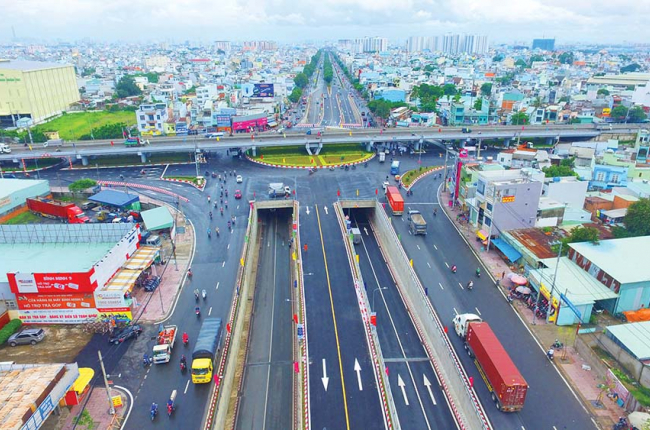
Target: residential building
point(568, 190)
point(154, 61)
point(35, 89)
point(223, 45)
point(607, 177)
point(151, 117)
point(507, 199)
point(544, 44)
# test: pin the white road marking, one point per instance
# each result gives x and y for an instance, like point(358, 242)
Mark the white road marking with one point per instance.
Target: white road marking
point(186, 386)
point(210, 311)
point(228, 247)
point(447, 265)
point(461, 286)
point(217, 285)
point(223, 264)
point(434, 245)
point(418, 246)
point(441, 287)
point(479, 312)
point(455, 311)
point(428, 265)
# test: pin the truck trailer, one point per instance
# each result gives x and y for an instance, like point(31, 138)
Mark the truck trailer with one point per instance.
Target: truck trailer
point(278, 189)
point(205, 350)
point(417, 224)
point(52, 209)
point(395, 200)
point(507, 386)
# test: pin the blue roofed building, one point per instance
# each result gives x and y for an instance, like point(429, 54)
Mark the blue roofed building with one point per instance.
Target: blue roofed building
point(607, 177)
point(390, 94)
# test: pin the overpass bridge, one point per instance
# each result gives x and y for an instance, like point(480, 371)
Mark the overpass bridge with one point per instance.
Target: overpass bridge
point(313, 143)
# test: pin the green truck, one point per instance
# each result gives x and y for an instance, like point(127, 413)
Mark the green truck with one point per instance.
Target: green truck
point(133, 141)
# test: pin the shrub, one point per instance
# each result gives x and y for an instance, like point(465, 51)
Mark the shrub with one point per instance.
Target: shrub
point(9, 329)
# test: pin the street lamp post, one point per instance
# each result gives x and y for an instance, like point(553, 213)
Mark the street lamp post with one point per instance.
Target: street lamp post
point(373, 295)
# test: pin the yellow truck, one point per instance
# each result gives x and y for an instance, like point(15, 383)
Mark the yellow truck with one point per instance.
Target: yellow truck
point(206, 350)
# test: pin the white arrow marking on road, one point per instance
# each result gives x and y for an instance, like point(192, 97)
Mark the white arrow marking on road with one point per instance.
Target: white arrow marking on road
point(325, 208)
point(307, 209)
point(186, 386)
point(366, 230)
point(325, 379)
point(210, 311)
point(357, 369)
point(428, 385)
point(400, 383)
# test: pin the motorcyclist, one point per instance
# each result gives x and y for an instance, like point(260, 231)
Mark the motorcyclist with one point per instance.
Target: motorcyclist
point(470, 285)
point(154, 408)
point(184, 360)
point(216, 230)
point(435, 211)
point(197, 310)
point(228, 225)
point(196, 294)
point(454, 268)
point(204, 294)
point(209, 232)
point(186, 339)
point(170, 406)
point(550, 353)
point(208, 199)
point(478, 271)
point(210, 214)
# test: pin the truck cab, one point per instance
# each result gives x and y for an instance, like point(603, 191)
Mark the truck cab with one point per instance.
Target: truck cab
point(201, 370)
point(5, 149)
point(461, 322)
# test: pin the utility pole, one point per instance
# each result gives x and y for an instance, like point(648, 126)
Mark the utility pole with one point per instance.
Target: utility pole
point(550, 298)
point(494, 208)
point(108, 390)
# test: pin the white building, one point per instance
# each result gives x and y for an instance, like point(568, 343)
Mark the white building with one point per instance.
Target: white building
point(151, 117)
point(568, 190)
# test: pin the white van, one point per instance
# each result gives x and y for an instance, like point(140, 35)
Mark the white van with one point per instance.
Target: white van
point(5, 149)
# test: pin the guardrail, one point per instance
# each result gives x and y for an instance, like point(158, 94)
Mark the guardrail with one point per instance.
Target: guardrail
point(391, 420)
point(399, 266)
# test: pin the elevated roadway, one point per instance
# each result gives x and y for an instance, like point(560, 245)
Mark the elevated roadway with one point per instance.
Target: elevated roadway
point(366, 136)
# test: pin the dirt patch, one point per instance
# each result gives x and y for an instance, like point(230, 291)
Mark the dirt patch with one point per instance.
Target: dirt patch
point(61, 345)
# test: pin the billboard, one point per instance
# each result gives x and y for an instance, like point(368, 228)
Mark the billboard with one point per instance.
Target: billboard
point(110, 299)
point(223, 120)
point(57, 316)
point(249, 124)
point(55, 301)
point(263, 90)
point(52, 282)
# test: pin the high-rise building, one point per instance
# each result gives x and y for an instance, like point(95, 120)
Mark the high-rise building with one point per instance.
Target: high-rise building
point(373, 44)
point(224, 45)
point(544, 44)
point(36, 90)
point(463, 44)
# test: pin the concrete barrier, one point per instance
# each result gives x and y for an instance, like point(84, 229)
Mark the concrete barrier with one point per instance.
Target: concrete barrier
point(463, 401)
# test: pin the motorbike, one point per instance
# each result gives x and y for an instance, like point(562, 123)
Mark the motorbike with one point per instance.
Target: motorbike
point(478, 273)
point(557, 344)
point(470, 285)
point(183, 366)
point(146, 360)
point(204, 294)
point(154, 411)
point(170, 403)
point(197, 310)
point(549, 355)
point(196, 296)
point(189, 273)
point(186, 339)
point(453, 269)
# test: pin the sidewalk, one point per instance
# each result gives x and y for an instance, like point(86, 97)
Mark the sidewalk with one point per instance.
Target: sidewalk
point(98, 412)
point(585, 380)
point(156, 306)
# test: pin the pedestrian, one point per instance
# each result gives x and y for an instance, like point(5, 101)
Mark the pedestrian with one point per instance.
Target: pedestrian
point(503, 274)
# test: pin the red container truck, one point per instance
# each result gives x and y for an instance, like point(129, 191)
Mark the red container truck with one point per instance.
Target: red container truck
point(395, 200)
point(53, 209)
point(503, 380)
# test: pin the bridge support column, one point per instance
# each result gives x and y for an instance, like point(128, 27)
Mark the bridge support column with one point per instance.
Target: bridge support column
point(308, 148)
point(368, 146)
point(318, 148)
point(253, 151)
point(84, 160)
point(143, 157)
point(550, 140)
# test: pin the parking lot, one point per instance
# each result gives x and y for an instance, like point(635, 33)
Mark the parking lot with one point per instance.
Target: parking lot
point(61, 345)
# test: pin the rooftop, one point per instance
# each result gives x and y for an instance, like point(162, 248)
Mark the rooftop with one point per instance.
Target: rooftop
point(535, 240)
point(10, 186)
point(29, 66)
point(635, 337)
point(623, 259)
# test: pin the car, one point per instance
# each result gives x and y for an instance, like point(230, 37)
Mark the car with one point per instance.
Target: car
point(88, 205)
point(466, 130)
point(239, 179)
point(27, 336)
point(125, 334)
point(238, 194)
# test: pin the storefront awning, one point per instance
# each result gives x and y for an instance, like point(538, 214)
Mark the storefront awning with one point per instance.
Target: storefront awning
point(123, 280)
point(511, 253)
point(482, 234)
point(142, 258)
point(85, 376)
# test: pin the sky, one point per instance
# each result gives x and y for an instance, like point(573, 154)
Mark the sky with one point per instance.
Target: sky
point(503, 21)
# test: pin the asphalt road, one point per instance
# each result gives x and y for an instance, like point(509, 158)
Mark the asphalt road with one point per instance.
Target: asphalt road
point(266, 397)
point(550, 404)
point(419, 399)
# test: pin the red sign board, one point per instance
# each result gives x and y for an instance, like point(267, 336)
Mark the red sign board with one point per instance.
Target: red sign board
point(55, 301)
point(52, 282)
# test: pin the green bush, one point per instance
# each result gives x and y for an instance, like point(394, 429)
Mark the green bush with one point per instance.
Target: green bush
point(9, 329)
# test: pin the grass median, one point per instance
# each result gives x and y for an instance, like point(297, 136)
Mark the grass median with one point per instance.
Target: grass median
point(296, 156)
point(134, 160)
point(408, 177)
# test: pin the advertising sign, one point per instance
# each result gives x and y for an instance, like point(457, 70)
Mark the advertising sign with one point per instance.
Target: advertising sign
point(246, 125)
point(110, 299)
point(223, 120)
point(55, 301)
point(123, 314)
point(52, 282)
point(507, 199)
point(262, 90)
point(57, 316)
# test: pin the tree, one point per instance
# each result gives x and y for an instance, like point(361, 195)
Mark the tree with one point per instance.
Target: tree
point(478, 104)
point(81, 184)
point(537, 102)
point(486, 89)
point(534, 58)
point(295, 95)
point(449, 89)
point(630, 68)
point(456, 97)
point(566, 58)
point(619, 112)
point(603, 91)
point(519, 118)
point(637, 114)
point(497, 58)
point(520, 63)
point(558, 171)
point(637, 219)
point(301, 80)
point(383, 111)
point(568, 162)
point(584, 234)
point(126, 87)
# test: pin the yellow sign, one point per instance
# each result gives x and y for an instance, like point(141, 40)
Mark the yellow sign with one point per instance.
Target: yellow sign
point(555, 303)
point(607, 112)
point(507, 199)
point(117, 401)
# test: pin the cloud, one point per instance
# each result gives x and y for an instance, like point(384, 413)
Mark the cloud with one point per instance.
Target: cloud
point(283, 20)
